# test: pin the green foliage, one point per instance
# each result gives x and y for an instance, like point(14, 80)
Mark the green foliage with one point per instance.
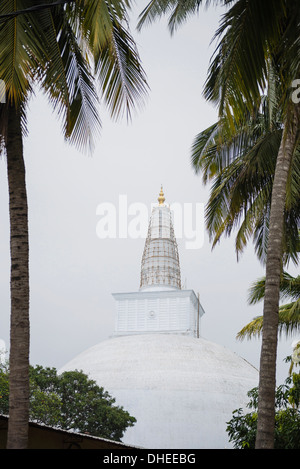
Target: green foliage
point(72, 52)
point(242, 427)
point(289, 314)
point(176, 11)
point(70, 401)
point(239, 161)
point(4, 389)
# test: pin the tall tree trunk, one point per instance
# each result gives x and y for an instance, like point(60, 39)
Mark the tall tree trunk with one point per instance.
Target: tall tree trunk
point(267, 378)
point(19, 284)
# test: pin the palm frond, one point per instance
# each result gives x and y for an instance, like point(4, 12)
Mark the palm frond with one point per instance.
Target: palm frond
point(65, 77)
point(15, 58)
point(289, 322)
point(253, 329)
point(239, 160)
point(239, 68)
point(57, 47)
point(83, 121)
point(178, 11)
point(122, 78)
point(104, 27)
point(289, 288)
point(95, 20)
point(204, 153)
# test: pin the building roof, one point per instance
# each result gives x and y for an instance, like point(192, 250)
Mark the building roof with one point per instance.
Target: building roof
point(46, 437)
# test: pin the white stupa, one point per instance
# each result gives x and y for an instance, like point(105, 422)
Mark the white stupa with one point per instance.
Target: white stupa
point(181, 388)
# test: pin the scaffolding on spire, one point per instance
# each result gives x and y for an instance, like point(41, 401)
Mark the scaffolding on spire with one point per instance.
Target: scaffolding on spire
point(160, 261)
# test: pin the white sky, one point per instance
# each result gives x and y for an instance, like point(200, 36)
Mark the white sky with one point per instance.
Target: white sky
point(73, 272)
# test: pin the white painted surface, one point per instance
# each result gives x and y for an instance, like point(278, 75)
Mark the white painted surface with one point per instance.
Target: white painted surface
point(160, 260)
point(182, 390)
point(157, 311)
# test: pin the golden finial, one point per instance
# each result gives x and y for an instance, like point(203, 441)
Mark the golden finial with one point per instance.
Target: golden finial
point(161, 197)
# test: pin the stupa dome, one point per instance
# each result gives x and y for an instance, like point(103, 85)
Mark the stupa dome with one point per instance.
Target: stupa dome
point(181, 388)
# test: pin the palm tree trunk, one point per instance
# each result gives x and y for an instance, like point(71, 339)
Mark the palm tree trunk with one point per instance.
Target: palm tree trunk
point(19, 247)
point(267, 381)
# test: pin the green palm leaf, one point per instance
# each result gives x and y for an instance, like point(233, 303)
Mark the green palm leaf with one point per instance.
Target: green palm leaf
point(81, 115)
point(238, 73)
point(289, 314)
point(117, 65)
point(178, 11)
point(121, 76)
point(288, 317)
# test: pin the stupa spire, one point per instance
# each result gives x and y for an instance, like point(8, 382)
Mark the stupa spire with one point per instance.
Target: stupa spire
point(160, 261)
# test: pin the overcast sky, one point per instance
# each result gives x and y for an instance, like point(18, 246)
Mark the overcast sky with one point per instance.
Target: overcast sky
point(73, 272)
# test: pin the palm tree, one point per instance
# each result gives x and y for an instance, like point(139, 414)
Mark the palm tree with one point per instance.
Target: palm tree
point(239, 162)
point(61, 48)
point(289, 314)
point(251, 34)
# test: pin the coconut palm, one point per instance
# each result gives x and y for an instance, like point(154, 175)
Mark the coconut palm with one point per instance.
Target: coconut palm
point(239, 163)
point(62, 49)
point(252, 33)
